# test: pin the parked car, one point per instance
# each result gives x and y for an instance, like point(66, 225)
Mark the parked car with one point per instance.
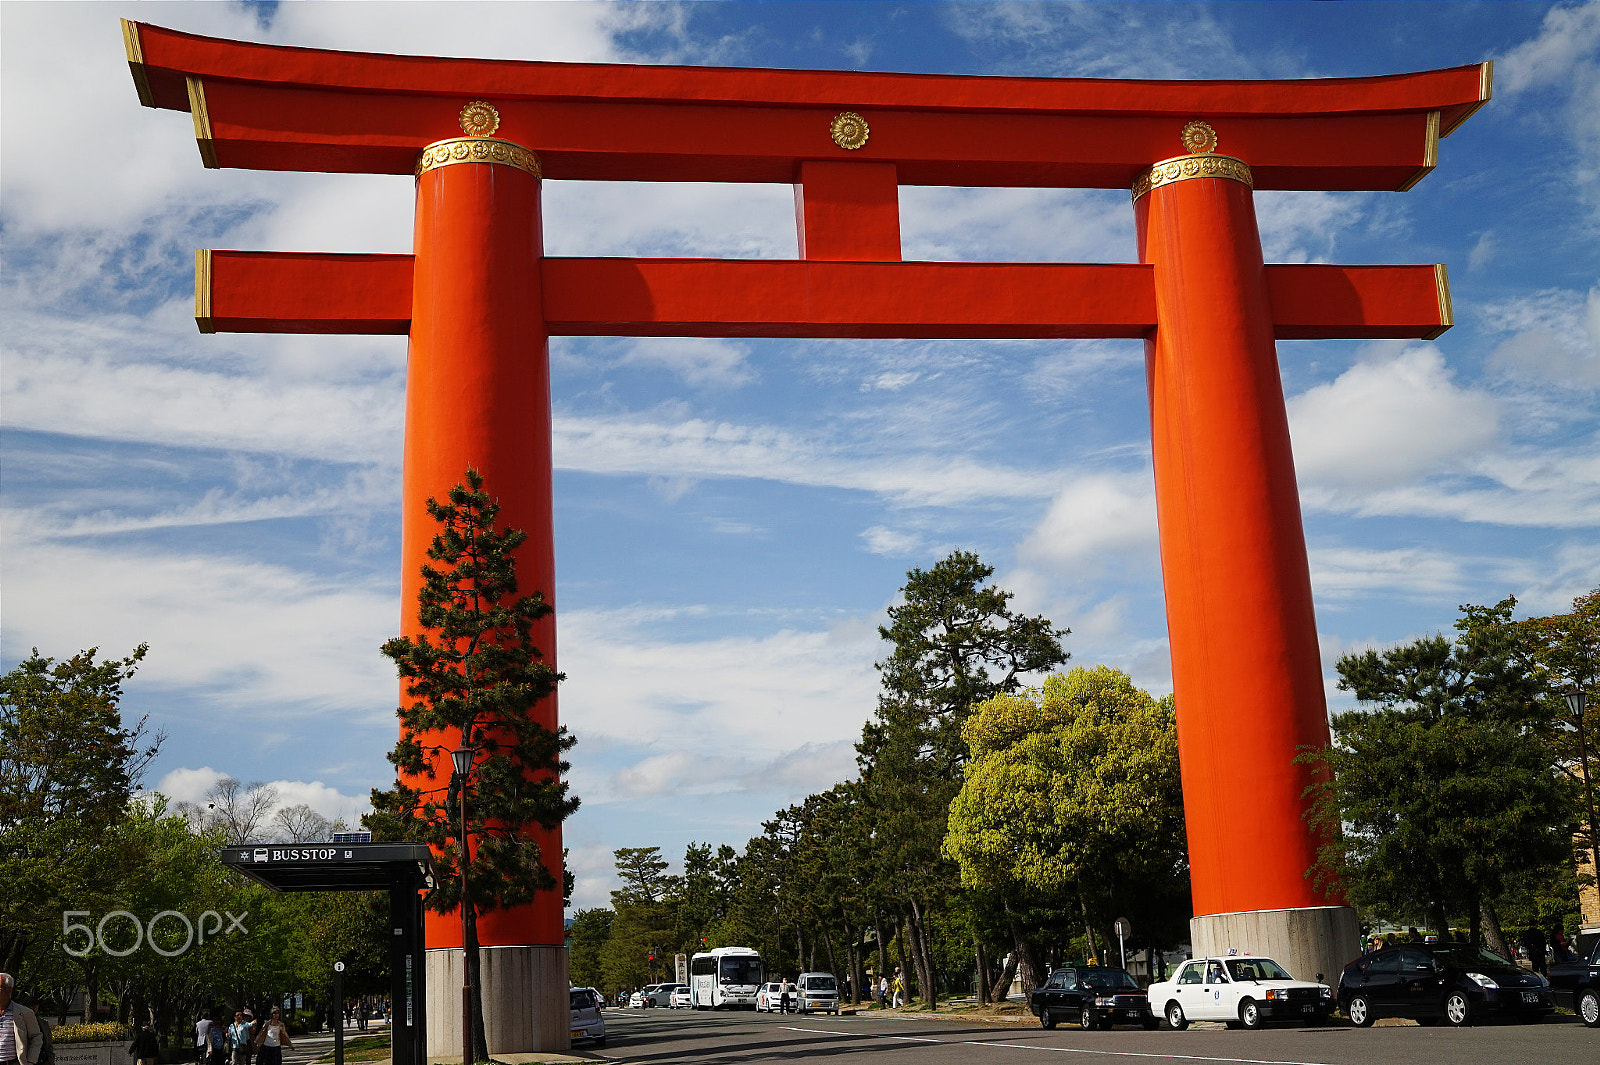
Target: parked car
point(1241, 990)
point(682, 998)
point(661, 994)
point(1576, 983)
point(817, 993)
point(770, 998)
point(1453, 981)
point(587, 1024)
point(1096, 996)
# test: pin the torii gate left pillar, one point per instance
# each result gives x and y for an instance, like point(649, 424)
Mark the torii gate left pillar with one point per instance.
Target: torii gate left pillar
point(479, 301)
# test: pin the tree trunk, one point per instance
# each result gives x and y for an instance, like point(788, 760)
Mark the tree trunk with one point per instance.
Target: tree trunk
point(1002, 987)
point(827, 943)
point(1026, 962)
point(900, 956)
point(1094, 947)
point(982, 983)
point(1475, 922)
point(929, 971)
point(919, 956)
point(1492, 937)
point(883, 946)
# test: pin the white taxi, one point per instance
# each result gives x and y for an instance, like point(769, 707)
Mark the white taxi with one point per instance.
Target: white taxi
point(1241, 990)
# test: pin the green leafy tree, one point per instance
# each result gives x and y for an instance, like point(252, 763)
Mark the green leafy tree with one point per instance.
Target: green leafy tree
point(474, 672)
point(1443, 793)
point(955, 642)
point(646, 908)
point(1565, 649)
point(68, 766)
point(587, 936)
point(1072, 794)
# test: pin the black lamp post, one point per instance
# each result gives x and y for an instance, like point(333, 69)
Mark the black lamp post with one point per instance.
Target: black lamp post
point(462, 756)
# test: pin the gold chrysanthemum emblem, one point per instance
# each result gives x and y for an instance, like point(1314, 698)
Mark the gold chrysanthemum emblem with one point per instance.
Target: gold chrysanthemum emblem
point(1198, 138)
point(849, 130)
point(479, 119)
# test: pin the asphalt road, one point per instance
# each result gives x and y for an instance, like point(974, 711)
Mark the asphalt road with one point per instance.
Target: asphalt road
point(703, 1038)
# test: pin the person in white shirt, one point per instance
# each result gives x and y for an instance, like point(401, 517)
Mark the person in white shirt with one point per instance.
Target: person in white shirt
point(271, 1040)
point(202, 1038)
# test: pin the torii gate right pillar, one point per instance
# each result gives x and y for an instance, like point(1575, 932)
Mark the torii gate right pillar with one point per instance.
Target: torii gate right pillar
point(1246, 671)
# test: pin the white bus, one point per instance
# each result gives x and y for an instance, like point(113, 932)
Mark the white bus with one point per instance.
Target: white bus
point(725, 977)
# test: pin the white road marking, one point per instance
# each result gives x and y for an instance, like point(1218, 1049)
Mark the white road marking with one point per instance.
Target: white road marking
point(1067, 1050)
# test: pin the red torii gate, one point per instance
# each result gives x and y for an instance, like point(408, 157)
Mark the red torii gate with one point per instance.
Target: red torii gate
point(479, 301)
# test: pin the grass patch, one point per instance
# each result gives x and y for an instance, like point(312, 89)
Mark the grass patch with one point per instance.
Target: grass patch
point(363, 1048)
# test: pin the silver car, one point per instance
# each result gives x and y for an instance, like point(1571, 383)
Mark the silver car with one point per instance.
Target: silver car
point(587, 1024)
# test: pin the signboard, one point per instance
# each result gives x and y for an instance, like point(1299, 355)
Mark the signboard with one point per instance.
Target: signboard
point(1122, 928)
point(680, 963)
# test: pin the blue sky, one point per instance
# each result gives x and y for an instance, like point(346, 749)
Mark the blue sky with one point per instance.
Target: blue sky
point(732, 518)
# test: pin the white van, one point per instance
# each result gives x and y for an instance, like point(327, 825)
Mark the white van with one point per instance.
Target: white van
point(817, 993)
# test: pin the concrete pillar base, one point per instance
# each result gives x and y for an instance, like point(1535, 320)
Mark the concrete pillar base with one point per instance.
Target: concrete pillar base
point(525, 1004)
point(1305, 941)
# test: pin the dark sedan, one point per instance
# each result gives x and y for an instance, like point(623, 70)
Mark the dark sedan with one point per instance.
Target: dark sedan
point(1575, 983)
point(1093, 995)
point(1453, 982)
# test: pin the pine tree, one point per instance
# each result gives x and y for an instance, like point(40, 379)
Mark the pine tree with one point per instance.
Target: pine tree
point(475, 673)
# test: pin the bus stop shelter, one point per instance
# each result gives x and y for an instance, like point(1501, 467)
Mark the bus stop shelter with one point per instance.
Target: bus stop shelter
point(404, 870)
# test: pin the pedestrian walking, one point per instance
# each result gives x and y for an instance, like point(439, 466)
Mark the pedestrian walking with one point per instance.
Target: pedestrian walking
point(271, 1040)
point(785, 995)
point(883, 991)
point(202, 1038)
point(240, 1033)
point(21, 1034)
point(145, 1048)
point(899, 989)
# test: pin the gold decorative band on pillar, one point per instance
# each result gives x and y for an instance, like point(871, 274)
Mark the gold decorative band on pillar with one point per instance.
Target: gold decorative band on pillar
point(1186, 167)
point(477, 150)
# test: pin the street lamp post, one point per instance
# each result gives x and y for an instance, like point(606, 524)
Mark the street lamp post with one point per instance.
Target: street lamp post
point(462, 756)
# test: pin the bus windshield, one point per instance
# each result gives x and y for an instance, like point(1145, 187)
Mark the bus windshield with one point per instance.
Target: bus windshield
point(741, 971)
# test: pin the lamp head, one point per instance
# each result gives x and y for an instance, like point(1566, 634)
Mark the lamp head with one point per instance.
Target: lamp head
point(1577, 699)
point(462, 756)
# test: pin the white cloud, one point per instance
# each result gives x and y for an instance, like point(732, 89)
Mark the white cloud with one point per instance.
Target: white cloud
point(1554, 337)
point(754, 694)
point(190, 784)
point(700, 362)
point(1563, 60)
point(207, 620)
point(1348, 572)
point(1095, 516)
point(1392, 418)
point(882, 540)
point(698, 448)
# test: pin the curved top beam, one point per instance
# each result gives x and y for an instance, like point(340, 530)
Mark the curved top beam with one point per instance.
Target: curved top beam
point(273, 107)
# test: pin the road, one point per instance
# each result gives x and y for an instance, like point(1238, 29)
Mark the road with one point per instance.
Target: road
point(674, 1036)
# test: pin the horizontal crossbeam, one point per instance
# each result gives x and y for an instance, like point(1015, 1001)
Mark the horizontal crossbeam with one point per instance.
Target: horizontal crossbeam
point(273, 108)
point(281, 292)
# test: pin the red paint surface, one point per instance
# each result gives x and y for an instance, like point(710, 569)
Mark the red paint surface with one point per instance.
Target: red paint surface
point(482, 304)
point(280, 108)
point(1245, 667)
point(478, 394)
point(848, 211)
point(287, 292)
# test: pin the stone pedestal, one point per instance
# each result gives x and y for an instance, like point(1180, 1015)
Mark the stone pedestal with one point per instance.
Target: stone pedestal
point(1306, 941)
point(525, 1003)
